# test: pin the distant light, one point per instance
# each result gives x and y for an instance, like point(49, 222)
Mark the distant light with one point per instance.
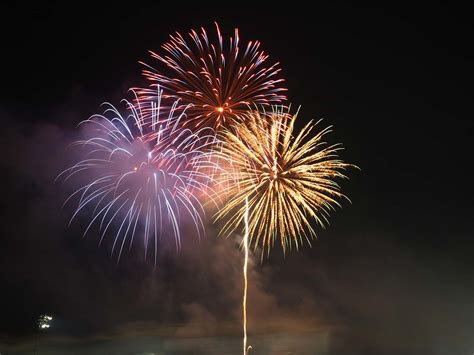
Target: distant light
point(135, 168)
point(220, 109)
point(43, 321)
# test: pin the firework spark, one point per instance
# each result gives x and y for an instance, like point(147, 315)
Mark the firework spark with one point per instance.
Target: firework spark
point(285, 179)
point(142, 174)
point(220, 82)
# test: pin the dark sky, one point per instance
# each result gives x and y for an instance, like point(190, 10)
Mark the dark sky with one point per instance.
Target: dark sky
point(392, 274)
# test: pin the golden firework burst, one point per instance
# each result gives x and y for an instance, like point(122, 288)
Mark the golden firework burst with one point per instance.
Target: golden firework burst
point(287, 180)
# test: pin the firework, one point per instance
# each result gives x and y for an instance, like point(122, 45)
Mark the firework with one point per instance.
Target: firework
point(138, 176)
point(220, 82)
point(287, 180)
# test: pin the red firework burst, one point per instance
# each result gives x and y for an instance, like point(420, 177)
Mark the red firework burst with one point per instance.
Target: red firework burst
point(216, 81)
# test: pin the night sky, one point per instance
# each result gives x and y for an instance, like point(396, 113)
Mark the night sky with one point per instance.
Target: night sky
point(394, 272)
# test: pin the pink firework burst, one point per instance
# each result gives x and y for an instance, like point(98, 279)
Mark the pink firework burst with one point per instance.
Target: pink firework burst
point(217, 81)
